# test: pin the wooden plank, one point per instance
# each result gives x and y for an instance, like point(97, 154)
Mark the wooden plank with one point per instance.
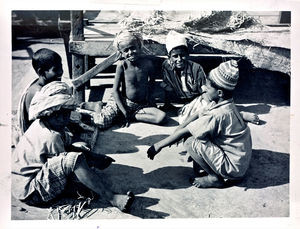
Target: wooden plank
point(79, 81)
point(101, 48)
point(104, 47)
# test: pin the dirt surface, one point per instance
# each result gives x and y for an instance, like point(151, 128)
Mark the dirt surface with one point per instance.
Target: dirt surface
point(161, 186)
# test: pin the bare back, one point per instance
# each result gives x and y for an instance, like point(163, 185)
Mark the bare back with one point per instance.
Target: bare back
point(32, 90)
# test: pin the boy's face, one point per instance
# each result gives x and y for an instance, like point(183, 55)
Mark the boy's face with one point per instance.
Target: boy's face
point(59, 119)
point(130, 50)
point(178, 57)
point(54, 73)
point(211, 93)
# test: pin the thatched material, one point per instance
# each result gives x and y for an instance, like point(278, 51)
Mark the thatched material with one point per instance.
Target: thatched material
point(228, 31)
point(261, 53)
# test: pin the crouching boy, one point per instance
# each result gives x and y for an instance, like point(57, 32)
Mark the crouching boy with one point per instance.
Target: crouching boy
point(219, 141)
point(41, 165)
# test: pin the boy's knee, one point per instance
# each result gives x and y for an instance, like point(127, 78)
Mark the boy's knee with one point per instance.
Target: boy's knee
point(156, 118)
point(70, 161)
point(188, 143)
point(161, 118)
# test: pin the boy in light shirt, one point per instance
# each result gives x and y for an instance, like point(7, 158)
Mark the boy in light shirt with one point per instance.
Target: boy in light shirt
point(219, 141)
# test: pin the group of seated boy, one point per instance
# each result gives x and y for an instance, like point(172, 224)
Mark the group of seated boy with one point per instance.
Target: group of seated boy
point(215, 133)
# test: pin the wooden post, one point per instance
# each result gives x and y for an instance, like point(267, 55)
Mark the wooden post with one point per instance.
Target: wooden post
point(77, 60)
point(64, 28)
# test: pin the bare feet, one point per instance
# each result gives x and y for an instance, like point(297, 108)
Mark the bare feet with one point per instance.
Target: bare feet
point(123, 202)
point(251, 117)
point(207, 182)
point(198, 170)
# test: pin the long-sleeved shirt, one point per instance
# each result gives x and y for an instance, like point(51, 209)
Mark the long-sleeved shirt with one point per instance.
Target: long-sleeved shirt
point(188, 84)
point(223, 139)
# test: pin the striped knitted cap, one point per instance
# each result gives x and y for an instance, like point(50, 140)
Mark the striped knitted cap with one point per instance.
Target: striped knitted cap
point(225, 75)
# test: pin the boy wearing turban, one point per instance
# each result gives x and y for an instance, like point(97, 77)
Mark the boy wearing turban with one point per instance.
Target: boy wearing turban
point(219, 141)
point(41, 163)
point(182, 77)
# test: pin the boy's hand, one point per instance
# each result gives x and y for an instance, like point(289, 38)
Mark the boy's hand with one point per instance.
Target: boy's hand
point(127, 120)
point(151, 152)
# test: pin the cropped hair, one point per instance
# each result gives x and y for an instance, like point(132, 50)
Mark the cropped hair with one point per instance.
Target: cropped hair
point(45, 59)
point(227, 93)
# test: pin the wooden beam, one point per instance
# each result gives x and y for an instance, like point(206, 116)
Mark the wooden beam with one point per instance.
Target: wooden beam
point(79, 81)
point(104, 47)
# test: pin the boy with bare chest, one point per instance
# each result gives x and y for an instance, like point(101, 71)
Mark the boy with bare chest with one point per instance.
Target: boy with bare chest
point(130, 100)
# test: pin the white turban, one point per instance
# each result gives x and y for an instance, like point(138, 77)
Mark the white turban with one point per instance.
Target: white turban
point(52, 97)
point(174, 40)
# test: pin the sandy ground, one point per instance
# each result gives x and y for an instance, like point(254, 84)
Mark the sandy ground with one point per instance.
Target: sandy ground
point(161, 186)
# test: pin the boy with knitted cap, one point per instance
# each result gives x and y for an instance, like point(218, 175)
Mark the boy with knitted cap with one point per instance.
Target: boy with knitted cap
point(42, 165)
point(219, 141)
point(131, 97)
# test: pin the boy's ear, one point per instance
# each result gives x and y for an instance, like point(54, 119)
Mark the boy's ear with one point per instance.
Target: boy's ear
point(220, 93)
point(40, 72)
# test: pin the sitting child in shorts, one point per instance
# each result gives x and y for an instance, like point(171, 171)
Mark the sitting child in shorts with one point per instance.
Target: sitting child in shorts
point(219, 141)
point(131, 97)
point(41, 164)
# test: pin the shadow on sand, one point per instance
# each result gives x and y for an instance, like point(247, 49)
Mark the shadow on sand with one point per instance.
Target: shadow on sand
point(267, 168)
point(120, 142)
point(258, 108)
point(170, 177)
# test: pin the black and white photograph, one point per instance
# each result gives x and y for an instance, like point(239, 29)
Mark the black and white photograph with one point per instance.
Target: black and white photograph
point(107, 105)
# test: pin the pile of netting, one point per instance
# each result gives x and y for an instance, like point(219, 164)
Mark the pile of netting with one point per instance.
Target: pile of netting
point(222, 21)
point(160, 22)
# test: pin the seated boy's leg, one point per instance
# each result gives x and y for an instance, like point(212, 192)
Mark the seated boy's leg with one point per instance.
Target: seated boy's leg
point(92, 106)
point(90, 179)
point(105, 117)
point(150, 115)
point(198, 170)
point(209, 181)
point(51, 180)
